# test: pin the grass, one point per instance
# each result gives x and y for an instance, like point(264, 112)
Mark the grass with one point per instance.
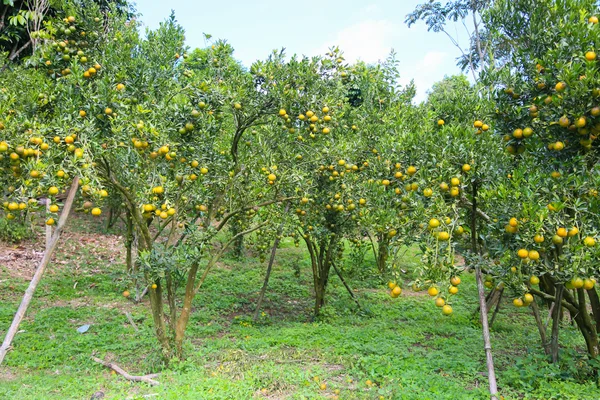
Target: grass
point(404, 346)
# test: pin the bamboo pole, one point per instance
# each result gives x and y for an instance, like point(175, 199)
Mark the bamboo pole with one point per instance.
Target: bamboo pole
point(39, 272)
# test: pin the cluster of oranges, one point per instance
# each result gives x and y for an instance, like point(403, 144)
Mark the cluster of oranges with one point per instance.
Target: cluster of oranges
point(481, 127)
point(315, 124)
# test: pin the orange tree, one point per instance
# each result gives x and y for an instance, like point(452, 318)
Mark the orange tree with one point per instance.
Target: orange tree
point(547, 102)
point(134, 121)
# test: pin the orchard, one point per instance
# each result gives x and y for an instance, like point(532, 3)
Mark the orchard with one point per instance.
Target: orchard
point(299, 227)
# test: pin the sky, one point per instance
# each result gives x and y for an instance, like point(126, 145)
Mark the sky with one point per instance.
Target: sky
point(365, 30)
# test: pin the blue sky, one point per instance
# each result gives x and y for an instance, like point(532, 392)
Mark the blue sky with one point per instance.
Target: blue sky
point(363, 30)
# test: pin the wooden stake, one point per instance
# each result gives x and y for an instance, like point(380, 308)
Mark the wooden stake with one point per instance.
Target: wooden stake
point(39, 272)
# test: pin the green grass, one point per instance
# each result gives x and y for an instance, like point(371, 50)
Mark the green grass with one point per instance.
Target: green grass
point(403, 345)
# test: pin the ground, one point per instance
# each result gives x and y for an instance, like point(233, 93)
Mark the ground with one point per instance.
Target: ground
point(405, 347)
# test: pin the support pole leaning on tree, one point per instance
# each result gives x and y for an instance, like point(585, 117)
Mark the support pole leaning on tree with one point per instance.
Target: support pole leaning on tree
point(39, 272)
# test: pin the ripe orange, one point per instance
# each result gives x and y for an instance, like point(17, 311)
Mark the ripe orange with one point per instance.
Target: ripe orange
point(593, 19)
point(396, 291)
point(455, 280)
point(440, 302)
point(434, 223)
point(534, 280)
point(466, 168)
point(411, 170)
point(562, 232)
point(518, 302)
point(577, 282)
point(573, 231)
point(432, 291)
point(477, 124)
point(534, 255)
point(590, 56)
point(53, 191)
point(126, 293)
point(580, 122)
point(453, 290)
point(523, 253)
point(560, 86)
point(443, 236)
point(588, 284)
point(564, 121)
point(50, 221)
point(513, 222)
point(527, 298)
point(518, 133)
point(154, 286)
point(96, 211)
point(440, 122)
point(589, 241)
point(446, 310)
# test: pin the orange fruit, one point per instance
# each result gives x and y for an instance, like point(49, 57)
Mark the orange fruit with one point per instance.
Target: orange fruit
point(590, 56)
point(534, 255)
point(534, 280)
point(523, 253)
point(518, 302)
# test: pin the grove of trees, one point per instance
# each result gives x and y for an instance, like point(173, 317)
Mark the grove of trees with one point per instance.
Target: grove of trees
point(188, 146)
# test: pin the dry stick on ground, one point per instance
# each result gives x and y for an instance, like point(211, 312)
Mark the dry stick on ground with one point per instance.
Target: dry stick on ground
point(135, 378)
point(130, 319)
point(39, 272)
point(270, 266)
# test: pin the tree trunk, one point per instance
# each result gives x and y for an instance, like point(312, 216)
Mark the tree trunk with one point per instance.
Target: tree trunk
point(498, 301)
point(540, 325)
point(39, 272)
point(595, 303)
point(263, 290)
point(129, 244)
point(383, 253)
point(556, 322)
point(585, 325)
point(156, 304)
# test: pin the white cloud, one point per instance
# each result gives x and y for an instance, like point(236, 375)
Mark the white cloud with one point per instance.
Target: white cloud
point(429, 69)
point(370, 40)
